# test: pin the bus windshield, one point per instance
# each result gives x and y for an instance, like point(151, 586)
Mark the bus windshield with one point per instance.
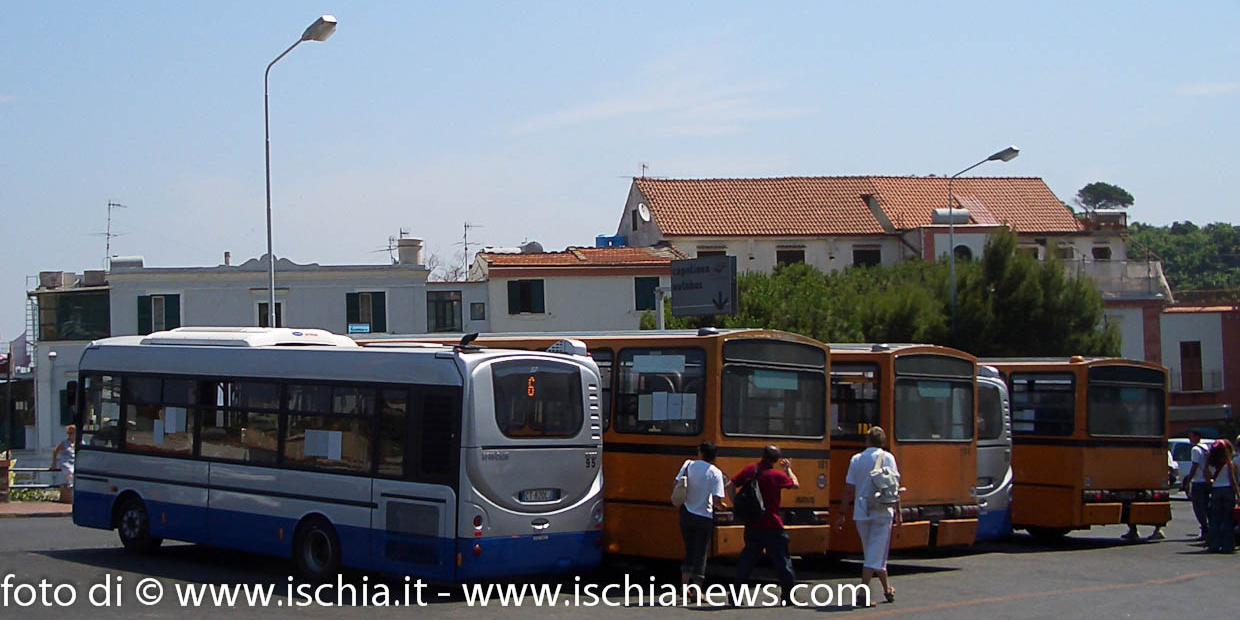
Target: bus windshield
point(1125, 411)
point(933, 410)
point(773, 402)
point(989, 412)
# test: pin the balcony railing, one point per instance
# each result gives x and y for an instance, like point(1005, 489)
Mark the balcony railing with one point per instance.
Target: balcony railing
point(1196, 381)
point(1124, 279)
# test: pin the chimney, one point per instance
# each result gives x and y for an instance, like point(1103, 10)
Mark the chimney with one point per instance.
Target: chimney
point(876, 210)
point(227, 258)
point(409, 251)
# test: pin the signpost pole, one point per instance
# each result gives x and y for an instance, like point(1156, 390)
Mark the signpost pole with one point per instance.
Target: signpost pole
point(660, 292)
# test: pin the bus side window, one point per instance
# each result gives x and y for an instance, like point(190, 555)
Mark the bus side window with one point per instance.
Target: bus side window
point(393, 431)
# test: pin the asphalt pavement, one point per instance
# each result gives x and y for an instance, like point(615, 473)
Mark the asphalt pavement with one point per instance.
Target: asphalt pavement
point(1091, 574)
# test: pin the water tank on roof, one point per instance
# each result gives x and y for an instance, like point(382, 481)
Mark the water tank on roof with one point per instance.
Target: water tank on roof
point(610, 241)
point(950, 216)
point(531, 247)
point(127, 262)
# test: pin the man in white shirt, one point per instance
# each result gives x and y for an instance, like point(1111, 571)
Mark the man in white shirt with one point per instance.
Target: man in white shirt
point(705, 493)
point(1196, 485)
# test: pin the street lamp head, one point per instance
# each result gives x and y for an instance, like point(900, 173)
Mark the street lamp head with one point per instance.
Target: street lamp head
point(322, 28)
point(1007, 154)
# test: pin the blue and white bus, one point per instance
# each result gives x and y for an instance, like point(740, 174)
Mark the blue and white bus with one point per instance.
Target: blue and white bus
point(446, 463)
point(994, 456)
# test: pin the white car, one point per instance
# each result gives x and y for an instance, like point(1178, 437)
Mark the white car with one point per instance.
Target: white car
point(1182, 453)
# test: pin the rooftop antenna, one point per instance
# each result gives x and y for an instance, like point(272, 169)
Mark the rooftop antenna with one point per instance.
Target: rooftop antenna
point(644, 166)
point(465, 243)
point(392, 245)
point(107, 259)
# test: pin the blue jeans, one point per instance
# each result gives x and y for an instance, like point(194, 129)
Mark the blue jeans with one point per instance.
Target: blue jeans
point(1222, 535)
point(1199, 493)
point(696, 532)
point(775, 543)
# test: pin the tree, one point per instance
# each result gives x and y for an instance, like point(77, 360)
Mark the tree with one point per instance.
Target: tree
point(1099, 195)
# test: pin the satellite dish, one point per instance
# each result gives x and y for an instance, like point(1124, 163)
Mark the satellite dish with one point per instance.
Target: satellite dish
point(643, 211)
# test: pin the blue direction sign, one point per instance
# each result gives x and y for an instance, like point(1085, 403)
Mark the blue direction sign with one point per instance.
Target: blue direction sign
point(703, 286)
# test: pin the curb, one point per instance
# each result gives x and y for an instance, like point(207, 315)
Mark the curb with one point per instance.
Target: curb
point(29, 515)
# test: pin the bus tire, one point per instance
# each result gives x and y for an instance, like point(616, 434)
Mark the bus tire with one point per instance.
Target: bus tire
point(134, 526)
point(1048, 535)
point(316, 550)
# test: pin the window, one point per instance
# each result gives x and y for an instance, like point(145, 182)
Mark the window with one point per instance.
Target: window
point(438, 439)
point(703, 252)
point(660, 391)
point(101, 422)
point(262, 314)
point(603, 358)
point(963, 252)
point(244, 425)
point(773, 402)
point(477, 311)
point(1102, 252)
point(74, 316)
point(443, 311)
point(68, 404)
point(989, 412)
point(1027, 250)
point(633, 215)
point(1125, 411)
point(1065, 252)
point(789, 256)
point(536, 400)
point(867, 255)
point(1190, 367)
point(393, 408)
point(158, 312)
point(153, 423)
point(525, 296)
point(328, 443)
point(366, 313)
point(1043, 403)
point(933, 410)
point(854, 399)
point(643, 292)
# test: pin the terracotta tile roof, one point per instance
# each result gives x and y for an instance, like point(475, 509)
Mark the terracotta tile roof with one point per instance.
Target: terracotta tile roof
point(584, 257)
point(812, 206)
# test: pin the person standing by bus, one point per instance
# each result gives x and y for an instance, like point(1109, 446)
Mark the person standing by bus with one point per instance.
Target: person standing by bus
point(874, 523)
point(1196, 485)
point(704, 495)
point(63, 456)
point(767, 533)
point(1226, 487)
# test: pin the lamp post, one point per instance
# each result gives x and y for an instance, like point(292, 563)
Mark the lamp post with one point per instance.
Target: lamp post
point(1007, 154)
point(320, 30)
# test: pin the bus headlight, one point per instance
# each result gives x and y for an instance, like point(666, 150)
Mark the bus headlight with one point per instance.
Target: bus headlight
point(822, 481)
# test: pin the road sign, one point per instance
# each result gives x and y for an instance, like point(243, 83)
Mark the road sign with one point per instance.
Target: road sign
point(704, 286)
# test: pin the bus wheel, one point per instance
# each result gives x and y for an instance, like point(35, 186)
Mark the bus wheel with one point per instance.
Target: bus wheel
point(134, 527)
point(1049, 535)
point(316, 550)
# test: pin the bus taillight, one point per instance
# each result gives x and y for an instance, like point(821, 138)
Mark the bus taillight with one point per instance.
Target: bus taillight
point(821, 516)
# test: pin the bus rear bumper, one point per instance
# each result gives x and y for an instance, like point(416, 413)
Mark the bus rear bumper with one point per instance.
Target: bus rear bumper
point(802, 539)
point(1149, 513)
point(505, 556)
point(1102, 514)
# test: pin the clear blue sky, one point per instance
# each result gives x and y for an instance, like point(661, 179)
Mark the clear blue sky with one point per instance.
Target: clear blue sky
point(527, 118)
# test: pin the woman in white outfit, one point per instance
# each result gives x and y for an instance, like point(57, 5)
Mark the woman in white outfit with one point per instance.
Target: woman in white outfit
point(873, 524)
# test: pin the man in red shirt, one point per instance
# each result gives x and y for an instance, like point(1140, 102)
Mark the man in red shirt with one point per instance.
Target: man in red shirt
point(767, 533)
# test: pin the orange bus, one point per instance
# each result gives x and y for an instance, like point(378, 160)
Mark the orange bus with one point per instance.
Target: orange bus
point(1089, 443)
point(925, 398)
point(664, 392)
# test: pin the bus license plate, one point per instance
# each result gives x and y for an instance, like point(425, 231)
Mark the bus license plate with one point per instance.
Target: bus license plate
point(540, 495)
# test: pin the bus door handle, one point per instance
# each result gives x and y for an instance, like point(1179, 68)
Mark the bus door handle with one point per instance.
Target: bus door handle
point(540, 524)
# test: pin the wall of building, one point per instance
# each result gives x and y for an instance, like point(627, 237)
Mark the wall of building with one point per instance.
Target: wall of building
point(471, 293)
point(1203, 327)
point(1131, 324)
point(572, 303)
point(760, 254)
point(647, 232)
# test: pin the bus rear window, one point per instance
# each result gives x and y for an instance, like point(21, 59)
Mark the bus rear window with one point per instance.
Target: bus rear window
point(660, 391)
point(989, 412)
point(773, 403)
point(1043, 403)
point(933, 410)
point(537, 399)
point(1125, 411)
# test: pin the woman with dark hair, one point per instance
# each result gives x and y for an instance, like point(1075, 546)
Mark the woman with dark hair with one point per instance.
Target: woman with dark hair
point(1225, 487)
point(704, 494)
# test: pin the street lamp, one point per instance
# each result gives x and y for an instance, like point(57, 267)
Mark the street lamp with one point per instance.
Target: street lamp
point(322, 28)
point(1007, 154)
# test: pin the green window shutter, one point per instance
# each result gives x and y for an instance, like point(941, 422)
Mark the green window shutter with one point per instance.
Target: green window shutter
point(172, 311)
point(536, 297)
point(378, 312)
point(643, 292)
point(514, 297)
point(144, 315)
point(352, 309)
